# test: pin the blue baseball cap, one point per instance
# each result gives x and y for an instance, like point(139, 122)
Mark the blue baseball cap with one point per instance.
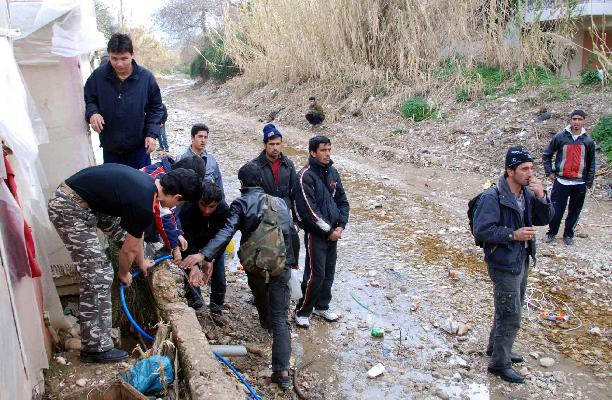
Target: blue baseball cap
point(270, 131)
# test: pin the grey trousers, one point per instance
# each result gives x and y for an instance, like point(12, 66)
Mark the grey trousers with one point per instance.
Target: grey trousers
point(509, 296)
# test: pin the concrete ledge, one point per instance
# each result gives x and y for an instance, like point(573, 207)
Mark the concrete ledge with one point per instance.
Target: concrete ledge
point(206, 378)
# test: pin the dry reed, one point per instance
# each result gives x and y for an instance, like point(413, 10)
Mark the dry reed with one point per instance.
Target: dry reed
point(387, 46)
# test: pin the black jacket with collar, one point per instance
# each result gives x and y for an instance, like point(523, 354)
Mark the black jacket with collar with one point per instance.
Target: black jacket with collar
point(245, 215)
point(198, 229)
point(286, 178)
point(131, 110)
point(321, 204)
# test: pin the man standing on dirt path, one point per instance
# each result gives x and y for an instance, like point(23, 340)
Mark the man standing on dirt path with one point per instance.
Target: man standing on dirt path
point(202, 220)
point(504, 222)
point(315, 114)
point(278, 174)
point(118, 200)
point(322, 210)
point(124, 105)
point(199, 141)
point(572, 174)
point(271, 292)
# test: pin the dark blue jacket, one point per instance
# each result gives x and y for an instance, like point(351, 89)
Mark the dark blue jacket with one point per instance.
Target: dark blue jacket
point(498, 215)
point(320, 201)
point(131, 110)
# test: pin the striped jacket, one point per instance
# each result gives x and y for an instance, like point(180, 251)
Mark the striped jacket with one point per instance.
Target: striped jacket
point(574, 159)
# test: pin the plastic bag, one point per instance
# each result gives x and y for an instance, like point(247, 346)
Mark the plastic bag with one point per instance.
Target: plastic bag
point(295, 284)
point(145, 376)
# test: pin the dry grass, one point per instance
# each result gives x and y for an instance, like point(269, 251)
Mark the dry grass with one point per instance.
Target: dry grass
point(358, 48)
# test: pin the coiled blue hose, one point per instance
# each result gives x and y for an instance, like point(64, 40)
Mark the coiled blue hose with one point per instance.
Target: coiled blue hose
point(124, 305)
point(254, 395)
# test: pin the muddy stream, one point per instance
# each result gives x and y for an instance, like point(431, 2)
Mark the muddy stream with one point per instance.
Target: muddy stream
point(396, 253)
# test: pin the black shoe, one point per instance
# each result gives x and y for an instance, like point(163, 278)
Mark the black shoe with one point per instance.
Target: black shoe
point(568, 240)
point(507, 374)
point(515, 358)
point(215, 308)
point(108, 356)
point(548, 238)
point(284, 382)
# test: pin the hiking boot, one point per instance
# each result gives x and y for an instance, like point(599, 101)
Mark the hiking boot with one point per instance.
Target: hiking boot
point(108, 356)
point(568, 240)
point(327, 315)
point(507, 374)
point(514, 358)
point(302, 322)
point(282, 379)
point(548, 238)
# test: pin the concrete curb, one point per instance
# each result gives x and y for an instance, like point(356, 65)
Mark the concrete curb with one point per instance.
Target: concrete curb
point(206, 378)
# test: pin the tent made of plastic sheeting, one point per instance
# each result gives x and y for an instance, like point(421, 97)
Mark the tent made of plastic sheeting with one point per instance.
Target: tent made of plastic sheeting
point(57, 38)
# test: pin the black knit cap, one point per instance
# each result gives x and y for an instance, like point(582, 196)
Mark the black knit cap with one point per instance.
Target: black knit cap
point(517, 155)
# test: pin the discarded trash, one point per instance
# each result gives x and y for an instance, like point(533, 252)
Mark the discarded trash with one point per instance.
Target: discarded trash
point(151, 375)
point(556, 317)
point(295, 284)
point(229, 350)
point(376, 370)
point(377, 332)
point(60, 360)
point(595, 331)
point(229, 250)
point(453, 273)
point(415, 304)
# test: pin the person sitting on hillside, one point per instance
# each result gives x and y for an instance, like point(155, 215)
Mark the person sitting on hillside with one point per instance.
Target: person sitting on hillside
point(315, 114)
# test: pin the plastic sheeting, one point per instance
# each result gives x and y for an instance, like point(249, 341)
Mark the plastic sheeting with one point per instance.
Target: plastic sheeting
point(22, 337)
point(52, 28)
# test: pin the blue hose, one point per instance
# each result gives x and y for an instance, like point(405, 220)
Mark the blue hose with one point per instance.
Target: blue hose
point(124, 305)
point(254, 395)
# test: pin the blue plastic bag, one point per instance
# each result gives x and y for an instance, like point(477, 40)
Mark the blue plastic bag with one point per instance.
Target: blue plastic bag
point(145, 375)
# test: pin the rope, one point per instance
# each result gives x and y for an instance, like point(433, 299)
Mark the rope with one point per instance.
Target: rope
point(362, 305)
point(537, 302)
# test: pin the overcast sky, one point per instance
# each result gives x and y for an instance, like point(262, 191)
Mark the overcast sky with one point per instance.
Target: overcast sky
point(137, 12)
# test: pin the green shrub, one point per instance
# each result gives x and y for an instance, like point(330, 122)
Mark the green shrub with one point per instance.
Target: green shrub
point(417, 108)
point(463, 95)
point(212, 61)
point(602, 133)
point(589, 78)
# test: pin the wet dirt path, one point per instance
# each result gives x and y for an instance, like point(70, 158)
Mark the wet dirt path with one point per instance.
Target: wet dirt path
point(396, 251)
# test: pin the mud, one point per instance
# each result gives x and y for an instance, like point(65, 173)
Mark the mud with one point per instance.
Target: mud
point(407, 229)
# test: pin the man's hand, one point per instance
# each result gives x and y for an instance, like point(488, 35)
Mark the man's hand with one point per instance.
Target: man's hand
point(125, 278)
point(552, 177)
point(97, 122)
point(150, 144)
point(536, 186)
point(524, 234)
point(192, 260)
point(195, 277)
point(182, 243)
point(335, 235)
point(176, 254)
point(146, 264)
point(207, 270)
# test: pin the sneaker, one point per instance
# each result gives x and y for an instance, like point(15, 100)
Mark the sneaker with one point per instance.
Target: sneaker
point(328, 315)
point(303, 322)
point(108, 356)
point(282, 380)
point(568, 240)
point(548, 238)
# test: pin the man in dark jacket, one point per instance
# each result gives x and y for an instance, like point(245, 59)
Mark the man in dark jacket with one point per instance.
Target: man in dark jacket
point(271, 298)
point(504, 222)
point(322, 210)
point(124, 105)
point(278, 174)
point(202, 220)
point(572, 173)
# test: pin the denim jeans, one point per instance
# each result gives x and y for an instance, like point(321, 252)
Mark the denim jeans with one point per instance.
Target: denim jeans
point(559, 196)
point(272, 302)
point(509, 296)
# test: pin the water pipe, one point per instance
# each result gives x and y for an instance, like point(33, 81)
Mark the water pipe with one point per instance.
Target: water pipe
point(254, 395)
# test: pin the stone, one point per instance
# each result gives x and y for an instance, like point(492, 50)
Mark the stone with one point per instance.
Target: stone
point(98, 372)
point(595, 331)
point(72, 344)
point(547, 362)
point(463, 329)
point(81, 382)
point(524, 371)
point(535, 354)
point(60, 360)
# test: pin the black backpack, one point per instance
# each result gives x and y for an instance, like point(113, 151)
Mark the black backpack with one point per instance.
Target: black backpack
point(472, 204)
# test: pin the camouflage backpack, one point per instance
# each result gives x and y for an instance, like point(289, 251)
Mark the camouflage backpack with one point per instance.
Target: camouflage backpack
point(264, 252)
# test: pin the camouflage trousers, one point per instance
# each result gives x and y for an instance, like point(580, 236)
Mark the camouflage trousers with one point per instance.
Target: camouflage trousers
point(77, 226)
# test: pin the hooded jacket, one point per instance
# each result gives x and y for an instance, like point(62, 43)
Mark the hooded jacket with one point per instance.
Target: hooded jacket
point(321, 204)
point(496, 218)
point(132, 109)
